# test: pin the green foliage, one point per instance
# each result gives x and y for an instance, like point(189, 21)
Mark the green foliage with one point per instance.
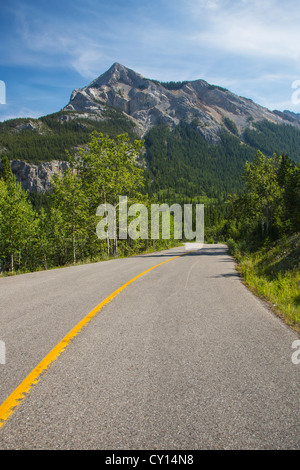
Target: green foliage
point(32, 146)
point(39, 201)
point(54, 135)
point(109, 166)
point(270, 204)
point(173, 85)
point(291, 196)
point(216, 87)
point(108, 169)
point(182, 167)
point(263, 193)
point(232, 246)
point(231, 126)
point(169, 85)
point(17, 224)
point(266, 244)
point(184, 164)
point(71, 206)
point(272, 138)
point(272, 272)
point(5, 172)
point(62, 227)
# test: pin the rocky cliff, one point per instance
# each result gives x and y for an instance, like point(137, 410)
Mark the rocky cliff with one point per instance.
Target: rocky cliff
point(37, 178)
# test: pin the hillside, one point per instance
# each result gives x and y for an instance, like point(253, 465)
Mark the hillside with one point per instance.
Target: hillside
point(197, 136)
point(272, 272)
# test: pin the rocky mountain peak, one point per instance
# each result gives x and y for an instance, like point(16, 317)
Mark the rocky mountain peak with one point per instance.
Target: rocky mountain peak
point(149, 102)
point(117, 73)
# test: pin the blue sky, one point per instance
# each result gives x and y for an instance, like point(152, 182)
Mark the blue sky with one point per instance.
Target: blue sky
point(47, 49)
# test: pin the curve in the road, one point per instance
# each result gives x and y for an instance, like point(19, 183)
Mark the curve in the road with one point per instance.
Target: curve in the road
point(10, 405)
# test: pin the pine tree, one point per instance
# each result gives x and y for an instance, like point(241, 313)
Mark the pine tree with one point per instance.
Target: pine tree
point(6, 173)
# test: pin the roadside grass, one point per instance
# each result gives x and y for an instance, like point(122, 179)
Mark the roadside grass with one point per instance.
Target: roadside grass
point(273, 273)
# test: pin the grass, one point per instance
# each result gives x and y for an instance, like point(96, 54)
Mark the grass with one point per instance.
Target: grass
point(273, 273)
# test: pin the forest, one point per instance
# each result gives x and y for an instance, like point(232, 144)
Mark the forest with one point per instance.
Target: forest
point(51, 135)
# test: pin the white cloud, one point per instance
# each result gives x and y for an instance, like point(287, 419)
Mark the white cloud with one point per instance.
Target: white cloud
point(248, 27)
point(41, 42)
point(19, 113)
point(244, 45)
point(86, 61)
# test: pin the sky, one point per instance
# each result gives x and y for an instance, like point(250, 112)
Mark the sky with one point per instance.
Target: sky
point(49, 48)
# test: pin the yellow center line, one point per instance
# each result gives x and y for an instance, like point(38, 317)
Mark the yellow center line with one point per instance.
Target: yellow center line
point(10, 405)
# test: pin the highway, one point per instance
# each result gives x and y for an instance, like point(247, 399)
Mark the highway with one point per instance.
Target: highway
point(183, 356)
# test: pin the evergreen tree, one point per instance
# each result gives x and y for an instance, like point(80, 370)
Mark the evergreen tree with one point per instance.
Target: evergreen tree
point(6, 173)
point(292, 197)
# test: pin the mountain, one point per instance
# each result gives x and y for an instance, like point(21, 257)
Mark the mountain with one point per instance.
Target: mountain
point(291, 116)
point(149, 102)
point(197, 135)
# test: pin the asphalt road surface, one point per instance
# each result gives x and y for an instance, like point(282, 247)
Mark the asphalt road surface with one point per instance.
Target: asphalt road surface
point(185, 357)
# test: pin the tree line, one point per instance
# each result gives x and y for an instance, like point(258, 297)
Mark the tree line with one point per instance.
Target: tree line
point(64, 230)
point(269, 206)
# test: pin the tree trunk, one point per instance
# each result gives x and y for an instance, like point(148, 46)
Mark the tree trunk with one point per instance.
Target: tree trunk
point(107, 235)
point(115, 247)
point(74, 248)
point(267, 220)
point(45, 257)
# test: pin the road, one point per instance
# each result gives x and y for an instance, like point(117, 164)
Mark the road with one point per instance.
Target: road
point(185, 357)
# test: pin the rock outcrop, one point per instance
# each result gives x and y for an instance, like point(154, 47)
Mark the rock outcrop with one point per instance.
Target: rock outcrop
point(37, 178)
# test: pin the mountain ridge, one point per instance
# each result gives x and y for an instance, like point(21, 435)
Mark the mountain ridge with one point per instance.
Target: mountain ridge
point(149, 102)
